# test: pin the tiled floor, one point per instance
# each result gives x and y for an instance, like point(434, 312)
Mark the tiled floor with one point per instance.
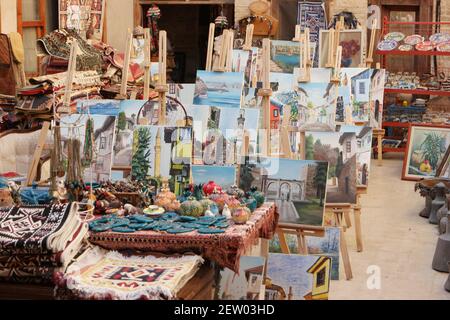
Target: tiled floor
point(398, 242)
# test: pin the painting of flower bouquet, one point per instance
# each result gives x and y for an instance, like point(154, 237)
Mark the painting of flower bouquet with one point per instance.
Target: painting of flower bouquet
point(350, 41)
point(425, 150)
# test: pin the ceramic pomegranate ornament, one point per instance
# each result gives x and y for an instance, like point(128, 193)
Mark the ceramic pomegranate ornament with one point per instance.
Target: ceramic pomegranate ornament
point(232, 203)
point(211, 187)
point(241, 215)
point(191, 207)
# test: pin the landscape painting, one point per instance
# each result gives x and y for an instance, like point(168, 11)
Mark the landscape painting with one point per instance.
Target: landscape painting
point(162, 153)
point(218, 133)
point(244, 61)
point(297, 187)
point(247, 285)
point(223, 176)
point(308, 280)
point(101, 107)
point(285, 55)
point(339, 150)
point(97, 138)
point(425, 150)
point(364, 137)
point(219, 89)
point(328, 246)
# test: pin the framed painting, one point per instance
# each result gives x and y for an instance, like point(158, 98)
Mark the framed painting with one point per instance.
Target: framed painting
point(352, 48)
point(426, 148)
point(443, 169)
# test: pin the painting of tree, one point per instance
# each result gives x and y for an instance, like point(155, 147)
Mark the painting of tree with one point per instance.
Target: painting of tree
point(432, 147)
point(320, 180)
point(141, 153)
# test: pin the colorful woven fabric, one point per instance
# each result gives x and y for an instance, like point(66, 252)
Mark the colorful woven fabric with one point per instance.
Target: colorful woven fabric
point(312, 15)
point(224, 249)
point(99, 274)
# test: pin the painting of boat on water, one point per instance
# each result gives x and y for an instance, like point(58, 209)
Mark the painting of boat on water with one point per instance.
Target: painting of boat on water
point(219, 89)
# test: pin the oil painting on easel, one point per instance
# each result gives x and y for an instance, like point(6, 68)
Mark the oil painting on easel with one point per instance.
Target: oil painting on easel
point(96, 134)
point(285, 55)
point(222, 176)
point(162, 153)
point(425, 150)
point(339, 149)
point(322, 246)
point(219, 89)
point(297, 187)
point(308, 280)
point(247, 285)
point(352, 48)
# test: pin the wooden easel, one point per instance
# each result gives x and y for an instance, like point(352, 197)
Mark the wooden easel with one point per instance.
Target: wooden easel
point(223, 62)
point(248, 37)
point(37, 153)
point(210, 51)
point(360, 190)
point(379, 133)
point(147, 63)
point(126, 68)
point(162, 87)
point(69, 80)
point(373, 32)
point(305, 54)
point(266, 93)
point(336, 78)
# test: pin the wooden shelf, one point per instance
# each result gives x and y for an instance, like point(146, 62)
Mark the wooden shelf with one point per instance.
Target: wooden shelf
point(418, 92)
point(413, 53)
point(398, 150)
point(396, 124)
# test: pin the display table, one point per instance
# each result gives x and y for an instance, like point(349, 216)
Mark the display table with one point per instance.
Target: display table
point(225, 249)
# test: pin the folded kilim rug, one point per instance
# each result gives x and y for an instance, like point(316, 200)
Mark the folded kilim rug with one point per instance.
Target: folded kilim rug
point(35, 241)
point(312, 15)
point(109, 275)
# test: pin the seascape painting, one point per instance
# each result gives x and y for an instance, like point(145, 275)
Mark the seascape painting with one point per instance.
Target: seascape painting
point(162, 153)
point(223, 176)
point(285, 55)
point(101, 107)
point(219, 89)
point(309, 280)
point(247, 285)
point(328, 246)
point(97, 137)
point(425, 150)
point(297, 187)
point(340, 151)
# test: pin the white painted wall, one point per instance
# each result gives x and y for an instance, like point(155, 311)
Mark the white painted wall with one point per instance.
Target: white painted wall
point(119, 17)
point(8, 16)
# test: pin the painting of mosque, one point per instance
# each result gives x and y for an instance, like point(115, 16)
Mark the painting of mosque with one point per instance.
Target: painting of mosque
point(298, 187)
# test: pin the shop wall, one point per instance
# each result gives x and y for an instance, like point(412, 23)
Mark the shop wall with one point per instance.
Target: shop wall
point(119, 17)
point(444, 62)
point(241, 9)
point(358, 7)
point(8, 16)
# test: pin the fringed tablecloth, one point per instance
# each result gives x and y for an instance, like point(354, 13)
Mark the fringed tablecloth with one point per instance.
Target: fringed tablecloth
point(225, 249)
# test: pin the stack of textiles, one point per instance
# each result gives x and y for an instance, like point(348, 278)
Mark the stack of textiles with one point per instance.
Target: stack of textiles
point(36, 241)
point(98, 274)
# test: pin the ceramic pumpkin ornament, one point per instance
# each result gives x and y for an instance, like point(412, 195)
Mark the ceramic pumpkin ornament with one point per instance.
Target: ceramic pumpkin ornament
point(191, 207)
point(241, 215)
point(167, 199)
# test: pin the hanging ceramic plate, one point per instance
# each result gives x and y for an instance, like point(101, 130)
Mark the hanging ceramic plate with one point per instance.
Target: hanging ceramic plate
point(397, 36)
point(439, 38)
point(414, 39)
point(425, 46)
point(443, 47)
point(387, 45)
point(405, 47)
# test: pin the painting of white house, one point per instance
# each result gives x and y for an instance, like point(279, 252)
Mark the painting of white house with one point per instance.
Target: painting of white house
point(219, 89)
point(247, 285)
point(218, 133)
point(162, 153)
point(340, 151)
point(97, 136)
point(223, 176)
point(297, 187)
point(364, 137)
point(328, 245)
point(183, 92)
point(308, 280)
point(377, 80)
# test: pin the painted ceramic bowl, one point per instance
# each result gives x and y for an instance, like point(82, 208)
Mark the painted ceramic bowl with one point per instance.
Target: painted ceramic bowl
point(241, 215)
point(439, 38)
point(405, 47)
point(443, 47)
point(396, 36)
point(414, 39)
point(425, 46)
point(154, 211)
point(387, 45)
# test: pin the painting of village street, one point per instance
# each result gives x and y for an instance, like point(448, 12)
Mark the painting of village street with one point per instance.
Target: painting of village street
point(307, 279)
point(97, 136)
point(162, 153)
point(426, 148)
point(219, 89)
point(339, 149)
point(324, 246)
point(246, 285)
point(297, 187)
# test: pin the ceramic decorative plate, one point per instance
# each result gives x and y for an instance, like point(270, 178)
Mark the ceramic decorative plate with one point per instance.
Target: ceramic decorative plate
point(425, 46)
point(443, 47)
point(439, 38)
point(387, 45)
point(397, 36)
point(414, 39)
point(405, 47)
